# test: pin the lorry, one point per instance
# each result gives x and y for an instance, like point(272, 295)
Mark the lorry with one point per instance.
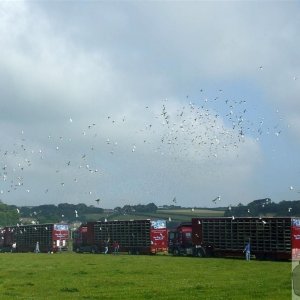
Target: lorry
point(51, 237)
point(269, 237)
point(133, 237)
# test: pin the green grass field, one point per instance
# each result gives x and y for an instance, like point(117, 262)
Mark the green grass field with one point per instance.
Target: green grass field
point(196, 211)
point(178, 215)
point(87, 276)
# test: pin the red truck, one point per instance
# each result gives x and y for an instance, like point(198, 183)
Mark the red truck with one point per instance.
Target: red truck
point(270, 238)
point(51, 237)
point(133, 237)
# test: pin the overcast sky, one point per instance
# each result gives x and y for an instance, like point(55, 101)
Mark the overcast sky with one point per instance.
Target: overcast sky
point(138, 102)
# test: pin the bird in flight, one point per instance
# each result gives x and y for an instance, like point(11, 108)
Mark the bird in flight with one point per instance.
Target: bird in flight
point(216, 199)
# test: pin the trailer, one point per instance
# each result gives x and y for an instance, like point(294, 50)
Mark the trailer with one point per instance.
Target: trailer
point(270, 238)
point(3, 246)
point(133, 237)
point(51, 237)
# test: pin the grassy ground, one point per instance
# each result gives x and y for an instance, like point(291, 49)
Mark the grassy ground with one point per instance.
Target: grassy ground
point(87, 276)
point(182, 215)
point(192, 213)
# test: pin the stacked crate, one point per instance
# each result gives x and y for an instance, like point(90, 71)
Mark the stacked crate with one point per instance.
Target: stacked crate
point(26, 237)
point(132, 236)
point(266, 235)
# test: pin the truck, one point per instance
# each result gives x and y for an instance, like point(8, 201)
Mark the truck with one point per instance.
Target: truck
point(51, 237)
point(270, 237)
point(133, 236)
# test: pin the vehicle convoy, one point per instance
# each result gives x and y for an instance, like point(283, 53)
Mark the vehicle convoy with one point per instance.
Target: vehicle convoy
point(51, 237)
point(133, 237)
point(270, 238)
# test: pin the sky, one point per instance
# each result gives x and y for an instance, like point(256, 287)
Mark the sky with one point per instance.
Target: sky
point(176, 103)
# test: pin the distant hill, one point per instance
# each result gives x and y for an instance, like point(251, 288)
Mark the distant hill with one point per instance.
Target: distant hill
point(63, 212)
point(71, 213)
point(8, 214)
point(173, 216)
point(265, 207)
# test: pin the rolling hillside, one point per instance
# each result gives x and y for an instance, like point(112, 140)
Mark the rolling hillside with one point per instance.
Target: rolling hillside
point(171, 215)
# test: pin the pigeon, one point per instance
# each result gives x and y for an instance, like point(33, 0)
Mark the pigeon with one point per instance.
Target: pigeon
point(216, 199)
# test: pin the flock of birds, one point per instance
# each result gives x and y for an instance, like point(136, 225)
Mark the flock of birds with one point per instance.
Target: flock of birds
point(204, 129)
point(202, 132)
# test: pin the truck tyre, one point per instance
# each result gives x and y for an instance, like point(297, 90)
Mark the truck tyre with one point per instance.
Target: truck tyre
point(199, 253)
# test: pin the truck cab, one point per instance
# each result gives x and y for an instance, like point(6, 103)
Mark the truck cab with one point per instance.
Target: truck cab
point(82, 239)
point(180, 240)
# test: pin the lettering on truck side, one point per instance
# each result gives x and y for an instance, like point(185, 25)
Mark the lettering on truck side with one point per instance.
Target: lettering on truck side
point(158, 238)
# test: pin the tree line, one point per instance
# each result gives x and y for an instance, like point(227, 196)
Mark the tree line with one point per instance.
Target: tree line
point(64, 212)
point(265, 207)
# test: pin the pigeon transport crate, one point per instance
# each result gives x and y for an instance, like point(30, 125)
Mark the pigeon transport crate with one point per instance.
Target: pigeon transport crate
point(51, 237)
point(133, 237)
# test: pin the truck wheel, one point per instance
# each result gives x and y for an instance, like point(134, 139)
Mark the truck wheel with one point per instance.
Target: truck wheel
point(199, 253)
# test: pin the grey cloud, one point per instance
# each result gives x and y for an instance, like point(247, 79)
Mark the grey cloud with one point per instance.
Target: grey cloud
point(113, 65)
